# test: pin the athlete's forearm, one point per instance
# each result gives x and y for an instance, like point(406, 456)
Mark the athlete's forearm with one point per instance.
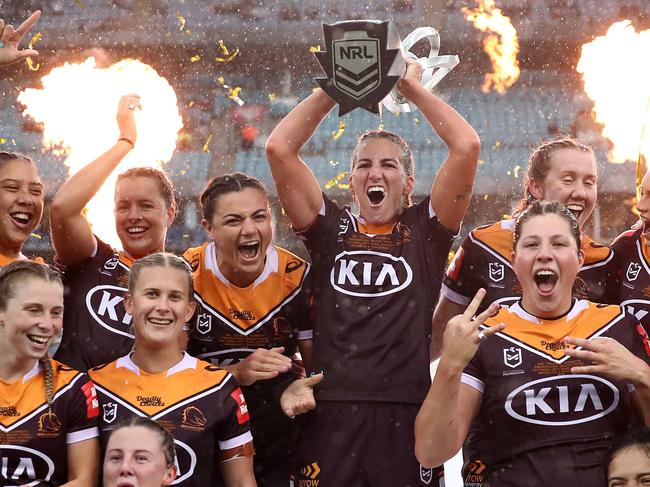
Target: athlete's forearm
point(77, 191)
point(641, 394)
point(437, 431)
point(294, 130)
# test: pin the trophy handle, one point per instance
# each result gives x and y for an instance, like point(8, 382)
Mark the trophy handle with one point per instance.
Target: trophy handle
point(434, 67)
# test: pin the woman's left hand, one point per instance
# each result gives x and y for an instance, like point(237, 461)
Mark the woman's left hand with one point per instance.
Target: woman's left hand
point(608, 358)
point(10, 38)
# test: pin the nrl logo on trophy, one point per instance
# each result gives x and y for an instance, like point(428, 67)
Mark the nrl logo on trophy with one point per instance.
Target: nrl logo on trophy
point(362, 62)
point(364, 59)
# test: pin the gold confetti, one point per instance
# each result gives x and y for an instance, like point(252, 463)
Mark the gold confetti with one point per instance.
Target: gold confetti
point(195, 58)
point(80, 3)
point(497, 144)
point(207, 143)
point(334, 163)
point(226, 52)
point(188, 32)
point(13, 142)
point(506, 216)
point(381, 126)
point(182, 172)
point(30, 64)
point(233, 93)
point(481, 161)
point(3, 141)
point(336, 181)
point(272, 96)
point(485, 197)
point(314, 48)
point(516, 172)
point(181, 21)
point(191, 103)
point(416, 121)
point(36, 235)
point(337, 135)
point(450, 256)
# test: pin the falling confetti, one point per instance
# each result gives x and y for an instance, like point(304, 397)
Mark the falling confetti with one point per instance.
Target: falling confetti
point(226, 52)
point(272, 96)
point(3, 141)
point(181, 21)
point(36, 235)
point(336, 181)
point(516, 171)
point(337, 135)
point(313, 49)
point(80, 3)
point(207, 143)
point(233, 93)
point(195, 58)
point(334, 163)
point(30, 64)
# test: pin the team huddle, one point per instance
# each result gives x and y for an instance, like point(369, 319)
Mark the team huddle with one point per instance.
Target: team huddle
point(240, 364)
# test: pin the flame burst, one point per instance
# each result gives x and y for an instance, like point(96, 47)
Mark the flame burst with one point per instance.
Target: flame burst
point(500, 44)
point(616, 75)
point(78, 105)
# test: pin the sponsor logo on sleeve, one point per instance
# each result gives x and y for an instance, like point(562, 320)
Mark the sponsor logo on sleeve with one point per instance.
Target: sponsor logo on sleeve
point(110, 412)
point(496, 271)
point(426, 475)
point(92, 403)
point(242, 407)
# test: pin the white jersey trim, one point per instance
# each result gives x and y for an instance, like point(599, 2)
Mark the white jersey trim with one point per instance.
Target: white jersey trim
point(82, 435)
point(271, 264)
point(473, 382)
point(236, 441)
point(453, 296)
point(305, 334)
point(187, 362)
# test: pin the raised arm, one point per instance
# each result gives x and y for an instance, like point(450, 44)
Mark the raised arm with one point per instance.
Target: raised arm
point(10, 38)
point(296, 184)
point(443, 421)
point(452, 187)
point(71, 233)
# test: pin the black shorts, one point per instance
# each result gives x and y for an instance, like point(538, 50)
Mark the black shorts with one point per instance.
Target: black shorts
point(361, 445)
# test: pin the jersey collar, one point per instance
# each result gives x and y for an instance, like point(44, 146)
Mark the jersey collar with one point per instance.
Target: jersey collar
point(578, 306)
point(187, 362)
point(271, 264)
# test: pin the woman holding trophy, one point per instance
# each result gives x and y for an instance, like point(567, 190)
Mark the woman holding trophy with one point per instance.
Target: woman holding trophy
point(376, 276)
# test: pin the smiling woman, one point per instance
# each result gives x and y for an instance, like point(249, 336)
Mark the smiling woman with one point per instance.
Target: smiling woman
point(97, 327)
point(51, 409)
point(201, 403)
point(546, 375)
point(254, 312)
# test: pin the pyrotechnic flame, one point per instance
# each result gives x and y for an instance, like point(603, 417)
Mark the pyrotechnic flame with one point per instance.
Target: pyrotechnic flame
point(500, 44)
point(77, 107)
point(616, 75)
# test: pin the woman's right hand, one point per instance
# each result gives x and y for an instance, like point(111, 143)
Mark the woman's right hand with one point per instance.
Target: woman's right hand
point(126, 116)
point(262, 364)
point(463, 334)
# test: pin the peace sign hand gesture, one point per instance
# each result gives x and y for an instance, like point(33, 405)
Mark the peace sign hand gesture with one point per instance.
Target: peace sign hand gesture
point(10, 38)
point(463, 335)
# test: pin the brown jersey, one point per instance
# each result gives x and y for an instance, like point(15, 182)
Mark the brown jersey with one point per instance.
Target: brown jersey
point(96, 326)
point(483, 261)
point(633, 259)
point(533, 408)
point(232, 322)
point(200, 404)
point(33, 439)
point(374, 294)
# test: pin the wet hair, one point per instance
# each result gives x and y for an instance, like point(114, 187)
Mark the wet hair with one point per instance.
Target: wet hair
point(166, 438)
point(162, 181)
point(538, 208)
point(227, 183)
point(405, 159)
point(161, 259)
point(635, 439)
point(539, 164)
point(10, 276)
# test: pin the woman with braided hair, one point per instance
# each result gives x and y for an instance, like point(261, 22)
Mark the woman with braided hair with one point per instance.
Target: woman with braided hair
point(563, 170)
point(48, 412)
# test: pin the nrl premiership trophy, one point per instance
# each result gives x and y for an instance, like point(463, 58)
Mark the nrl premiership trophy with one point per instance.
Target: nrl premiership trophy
point(364, 59)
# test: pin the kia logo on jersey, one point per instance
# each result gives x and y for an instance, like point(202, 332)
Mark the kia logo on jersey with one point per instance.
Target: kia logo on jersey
point(512, 357)
point(633, 271)
point(22, 466)
point(496, 271)
point(105, 304)
point(370, 274)
point(563, 400)
point(185, 462)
